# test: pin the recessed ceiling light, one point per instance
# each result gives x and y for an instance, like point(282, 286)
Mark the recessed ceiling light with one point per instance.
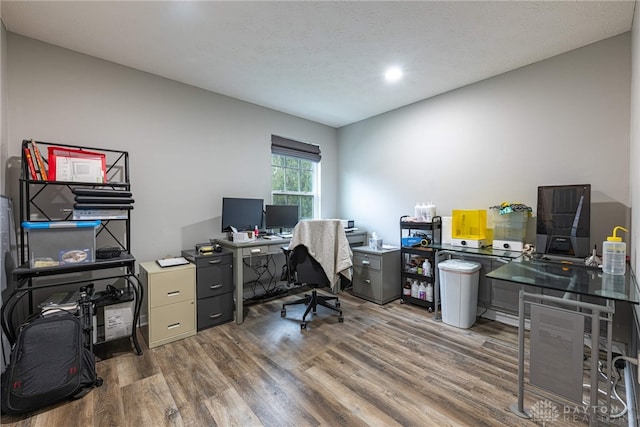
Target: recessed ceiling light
point(393, 74)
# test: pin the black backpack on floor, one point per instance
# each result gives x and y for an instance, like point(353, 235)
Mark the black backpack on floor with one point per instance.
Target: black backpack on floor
point(49, 363)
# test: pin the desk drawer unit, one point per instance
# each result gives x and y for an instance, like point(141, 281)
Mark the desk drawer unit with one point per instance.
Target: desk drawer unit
point(213, 311)
point(214, 286)
point(172, 320)
point(255, 250)
point(375, 274)
point(171, 303)
point(214, 276)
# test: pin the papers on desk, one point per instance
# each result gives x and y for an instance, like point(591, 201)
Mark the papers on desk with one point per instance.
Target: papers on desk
point(172, 262)
point(389, 247)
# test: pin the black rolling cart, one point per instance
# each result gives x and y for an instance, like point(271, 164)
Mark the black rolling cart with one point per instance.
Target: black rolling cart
point(416, 253)
point(53, 201)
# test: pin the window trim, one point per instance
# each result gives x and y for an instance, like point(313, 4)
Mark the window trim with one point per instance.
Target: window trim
point(293, 148)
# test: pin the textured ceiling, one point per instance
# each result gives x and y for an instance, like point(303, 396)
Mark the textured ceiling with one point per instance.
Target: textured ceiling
point(323, 61)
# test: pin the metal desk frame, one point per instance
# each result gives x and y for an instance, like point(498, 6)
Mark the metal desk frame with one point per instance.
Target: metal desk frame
point(597, 313)
point(262, 247)
point(582, 281)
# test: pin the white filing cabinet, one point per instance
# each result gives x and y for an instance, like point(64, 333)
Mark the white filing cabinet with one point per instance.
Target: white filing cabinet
point(171, 300)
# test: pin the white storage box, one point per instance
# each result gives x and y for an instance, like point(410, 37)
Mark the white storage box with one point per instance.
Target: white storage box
point(61, 242)
point(459, 289)
point(243, 237)
point(118, 320)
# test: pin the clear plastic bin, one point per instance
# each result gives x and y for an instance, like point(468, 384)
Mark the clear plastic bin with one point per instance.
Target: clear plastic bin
point(510, 226)
point(61, 242)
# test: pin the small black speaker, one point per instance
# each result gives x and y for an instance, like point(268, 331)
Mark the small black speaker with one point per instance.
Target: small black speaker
point(108, 252)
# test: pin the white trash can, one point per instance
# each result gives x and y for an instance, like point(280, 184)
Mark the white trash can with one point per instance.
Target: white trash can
point(459, 292)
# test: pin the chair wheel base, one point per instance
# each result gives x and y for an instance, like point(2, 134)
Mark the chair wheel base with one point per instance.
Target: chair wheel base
point(303, 325)
point(341, 319)
point(283, 313)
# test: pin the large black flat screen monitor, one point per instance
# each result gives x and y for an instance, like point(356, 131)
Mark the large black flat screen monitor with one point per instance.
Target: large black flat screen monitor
point(243, 214)
point(280, 216)
point(564, 220)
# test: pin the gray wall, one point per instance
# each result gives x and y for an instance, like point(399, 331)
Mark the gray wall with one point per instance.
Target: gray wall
point(560, 121)
point(635, 183)
point(563, 120)
point(188, 147)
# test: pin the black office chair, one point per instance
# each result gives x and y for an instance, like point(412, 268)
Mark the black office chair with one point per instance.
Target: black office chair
point(303, 269)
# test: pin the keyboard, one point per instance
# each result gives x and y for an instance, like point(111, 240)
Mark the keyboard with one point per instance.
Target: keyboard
point(286, 236)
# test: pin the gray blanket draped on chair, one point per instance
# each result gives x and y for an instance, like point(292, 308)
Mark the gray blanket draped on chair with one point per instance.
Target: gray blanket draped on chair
point(327, 243)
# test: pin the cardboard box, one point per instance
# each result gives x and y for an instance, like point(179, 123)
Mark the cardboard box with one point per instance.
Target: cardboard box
point(118, 320)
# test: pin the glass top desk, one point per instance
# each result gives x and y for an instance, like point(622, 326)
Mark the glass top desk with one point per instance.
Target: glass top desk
point(575, 281)
point(572, 278)
point(486, 251)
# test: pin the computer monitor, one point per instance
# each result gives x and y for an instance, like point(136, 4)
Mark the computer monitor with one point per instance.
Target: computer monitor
point(280, 217)
point(243, 214)
point(564, 220)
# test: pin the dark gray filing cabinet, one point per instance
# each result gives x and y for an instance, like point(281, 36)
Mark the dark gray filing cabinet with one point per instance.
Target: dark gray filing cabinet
point(375, 274)
point(214, 287)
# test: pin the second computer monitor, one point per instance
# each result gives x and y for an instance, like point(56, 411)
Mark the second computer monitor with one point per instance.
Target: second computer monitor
point(280, 217)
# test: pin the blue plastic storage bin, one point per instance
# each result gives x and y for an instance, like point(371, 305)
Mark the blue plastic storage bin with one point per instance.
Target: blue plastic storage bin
point(60, 242)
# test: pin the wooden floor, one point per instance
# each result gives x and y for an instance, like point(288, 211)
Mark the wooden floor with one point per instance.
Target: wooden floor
point(388, 365)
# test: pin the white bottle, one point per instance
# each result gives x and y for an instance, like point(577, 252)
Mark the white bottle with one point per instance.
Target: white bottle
point(429, 292)
point(417, 211)
point(426, 268)
point(422, 291)
point(430, 209)
point(614, 254)
point(414, 288)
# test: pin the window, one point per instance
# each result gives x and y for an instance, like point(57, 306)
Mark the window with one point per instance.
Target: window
point(294, 175)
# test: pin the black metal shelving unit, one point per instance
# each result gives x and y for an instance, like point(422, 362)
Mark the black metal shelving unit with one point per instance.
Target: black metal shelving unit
point(415, 238)
point(52, 201)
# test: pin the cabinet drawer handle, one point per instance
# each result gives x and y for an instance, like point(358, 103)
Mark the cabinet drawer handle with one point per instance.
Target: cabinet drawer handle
point(174, 325)
point(215, 261)
point(366, 262)
point(255, 251)
point(213, 316)
point(367, 281)
point(173, 294)
point(215, 286)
